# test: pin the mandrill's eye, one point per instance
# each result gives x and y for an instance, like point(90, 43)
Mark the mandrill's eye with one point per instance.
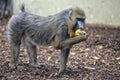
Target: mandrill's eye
point(80, 23)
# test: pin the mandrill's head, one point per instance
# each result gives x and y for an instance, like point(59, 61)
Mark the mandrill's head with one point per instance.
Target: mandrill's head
point(78, 16)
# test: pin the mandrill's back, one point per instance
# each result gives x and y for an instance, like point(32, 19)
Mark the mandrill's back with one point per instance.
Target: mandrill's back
point(45, 28)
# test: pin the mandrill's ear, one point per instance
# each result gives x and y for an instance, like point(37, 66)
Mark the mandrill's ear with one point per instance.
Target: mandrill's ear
point(70, 11)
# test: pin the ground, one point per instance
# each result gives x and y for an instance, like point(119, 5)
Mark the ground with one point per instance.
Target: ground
point(98, 58)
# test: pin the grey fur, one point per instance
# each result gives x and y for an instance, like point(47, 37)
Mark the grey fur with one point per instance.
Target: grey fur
point(38, 28)
point(33, 30)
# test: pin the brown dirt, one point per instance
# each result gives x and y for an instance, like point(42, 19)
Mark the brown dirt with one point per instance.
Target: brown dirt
point(96, 59)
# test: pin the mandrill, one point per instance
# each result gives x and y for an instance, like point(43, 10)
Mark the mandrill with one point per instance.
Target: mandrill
point(57, 30)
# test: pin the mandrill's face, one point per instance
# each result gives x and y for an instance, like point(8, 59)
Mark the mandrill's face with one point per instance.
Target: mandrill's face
point(80, 18)
point(78, 15)
point(80, 23)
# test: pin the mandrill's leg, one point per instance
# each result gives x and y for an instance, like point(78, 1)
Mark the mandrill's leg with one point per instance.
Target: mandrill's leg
point(31, 49)
point(14, 40)
point(15, 50)
point(63, 42)
point(32, 52)
point(63, 59)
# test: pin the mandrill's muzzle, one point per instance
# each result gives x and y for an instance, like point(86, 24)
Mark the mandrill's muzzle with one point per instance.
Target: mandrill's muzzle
point(80, 23)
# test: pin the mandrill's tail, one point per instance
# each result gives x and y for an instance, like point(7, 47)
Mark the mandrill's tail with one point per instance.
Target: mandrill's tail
point(22, 8)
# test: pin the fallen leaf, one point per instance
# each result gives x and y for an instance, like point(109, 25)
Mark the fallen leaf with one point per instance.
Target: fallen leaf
point(100, 46)
point(103, 61)
point(118, 58)
point(3, 51)
point(49, 47)
point(95, 57)
point(86, 54)
point(118, 62)
point(91, 68)
point(49, 58)
point(72, 53)
point(56, 62)
point(87, 49)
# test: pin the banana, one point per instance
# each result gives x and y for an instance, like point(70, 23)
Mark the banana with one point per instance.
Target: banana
point(79, 32)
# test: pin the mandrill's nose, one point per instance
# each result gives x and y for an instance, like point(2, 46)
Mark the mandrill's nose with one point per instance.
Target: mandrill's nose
point(81, 25)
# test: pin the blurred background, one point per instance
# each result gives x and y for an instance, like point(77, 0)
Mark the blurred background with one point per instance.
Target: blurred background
point(97, 11)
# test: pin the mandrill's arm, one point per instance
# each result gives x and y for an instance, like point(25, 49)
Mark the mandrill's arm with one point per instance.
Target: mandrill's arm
point(64, 42)
point(74, 40)
point(62, 39)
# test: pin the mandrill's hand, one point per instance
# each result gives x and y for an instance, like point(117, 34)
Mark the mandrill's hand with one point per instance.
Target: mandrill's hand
point(85, 35)
point(79, 32)
point(82, 36)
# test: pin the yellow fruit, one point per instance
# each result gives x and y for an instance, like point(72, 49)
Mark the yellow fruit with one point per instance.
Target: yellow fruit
point(49, 58)
point(79, 32)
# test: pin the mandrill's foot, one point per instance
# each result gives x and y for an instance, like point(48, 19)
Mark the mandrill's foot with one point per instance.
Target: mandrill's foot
point(54, 75)
point(57, 74)
point(62, 74)
point(38, 65)
point(12, 66)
